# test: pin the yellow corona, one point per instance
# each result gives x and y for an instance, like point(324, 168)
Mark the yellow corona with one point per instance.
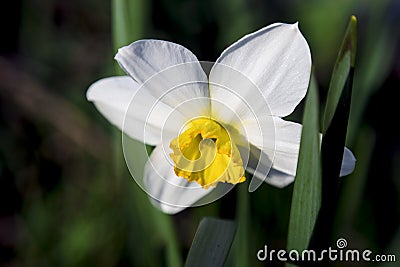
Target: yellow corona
point(204, 152)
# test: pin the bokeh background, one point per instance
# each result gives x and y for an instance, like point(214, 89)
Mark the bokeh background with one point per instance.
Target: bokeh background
point(66, 196)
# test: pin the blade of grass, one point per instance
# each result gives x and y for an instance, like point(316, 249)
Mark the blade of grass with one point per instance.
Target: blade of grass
point(127, 21)
point(344, 64)
point(120, 24)
point(211, 243)
point(333, 142)
point(307, 186)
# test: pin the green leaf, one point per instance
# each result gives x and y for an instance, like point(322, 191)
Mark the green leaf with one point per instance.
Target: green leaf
point(333, 141)
point(127, 21)
point(341, 72)
point(334, 137)
point(211, 243)
point(307, 186)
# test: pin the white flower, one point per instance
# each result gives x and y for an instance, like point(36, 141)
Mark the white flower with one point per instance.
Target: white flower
point(207, 130)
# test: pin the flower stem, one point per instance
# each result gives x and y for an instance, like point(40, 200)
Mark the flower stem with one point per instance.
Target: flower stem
point(241, 245)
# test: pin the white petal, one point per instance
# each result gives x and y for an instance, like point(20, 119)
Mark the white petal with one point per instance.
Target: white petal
point(276, 59)
point(279, 179)
point(259, 165)
point(287, 140)
point(169, 192)
point(274, 177)
point(228, 107)
point(170, 72)
point(132, 110)
point(284, 160)
point(282, 148)
point(348, 163)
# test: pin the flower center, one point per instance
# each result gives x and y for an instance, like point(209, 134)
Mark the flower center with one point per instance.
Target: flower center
point(205, 153)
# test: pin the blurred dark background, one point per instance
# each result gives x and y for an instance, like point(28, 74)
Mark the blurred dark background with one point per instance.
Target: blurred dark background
point(64, 200)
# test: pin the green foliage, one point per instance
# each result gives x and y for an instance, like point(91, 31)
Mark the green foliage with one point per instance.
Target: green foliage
point(333, 142)
point(211, 243)
point(306, 198)
point(128, 21)
point(341, 72)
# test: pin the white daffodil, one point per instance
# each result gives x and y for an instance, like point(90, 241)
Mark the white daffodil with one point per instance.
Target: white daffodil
point(207, 130)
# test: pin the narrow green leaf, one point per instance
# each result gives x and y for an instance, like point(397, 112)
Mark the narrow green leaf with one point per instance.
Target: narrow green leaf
point(211, 243)
point(333, 141)
point(120, 23)
point(127, 21)
point(344, 63)
point(307, 186)
point(334, 137)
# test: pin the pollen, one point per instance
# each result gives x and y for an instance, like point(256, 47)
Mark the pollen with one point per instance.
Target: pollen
point(204, 152)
